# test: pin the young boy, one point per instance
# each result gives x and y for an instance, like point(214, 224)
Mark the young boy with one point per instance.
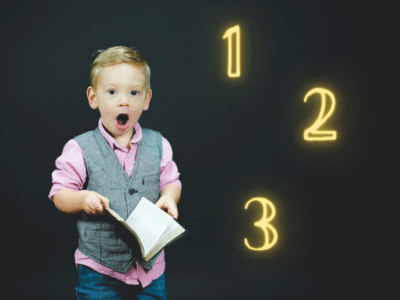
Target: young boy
point(115, 165)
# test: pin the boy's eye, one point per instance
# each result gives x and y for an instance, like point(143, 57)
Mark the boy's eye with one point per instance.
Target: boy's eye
point(112, 92)
point(134, 93)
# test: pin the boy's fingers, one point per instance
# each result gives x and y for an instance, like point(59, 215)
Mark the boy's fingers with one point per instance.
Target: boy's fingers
point(98, 206)
point(93, 208)
point(159, 203)
point(171, 210)
point(168, 207)
point(174, 212)
point(104, 201)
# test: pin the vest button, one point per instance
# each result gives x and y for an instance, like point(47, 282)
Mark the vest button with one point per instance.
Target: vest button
point(132, 191)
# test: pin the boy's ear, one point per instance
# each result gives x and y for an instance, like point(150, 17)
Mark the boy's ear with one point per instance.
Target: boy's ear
point(91, 97)
point(147, 100)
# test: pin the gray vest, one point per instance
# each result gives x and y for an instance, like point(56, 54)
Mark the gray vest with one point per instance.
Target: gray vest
point(100, 237)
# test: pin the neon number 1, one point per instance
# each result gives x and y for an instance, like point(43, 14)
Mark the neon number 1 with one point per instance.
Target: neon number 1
point(321, 135)
point(228, 34)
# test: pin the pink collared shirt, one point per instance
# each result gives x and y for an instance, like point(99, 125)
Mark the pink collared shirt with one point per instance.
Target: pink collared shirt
point(71, 174)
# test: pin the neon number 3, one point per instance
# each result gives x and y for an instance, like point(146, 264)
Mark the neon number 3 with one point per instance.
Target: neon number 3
point(313, 129)
point(263, 223)
point(228, 34)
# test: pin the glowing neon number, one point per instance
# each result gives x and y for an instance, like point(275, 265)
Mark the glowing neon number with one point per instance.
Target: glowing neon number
point(263, 223)
point(313, 129)
point(228, 34)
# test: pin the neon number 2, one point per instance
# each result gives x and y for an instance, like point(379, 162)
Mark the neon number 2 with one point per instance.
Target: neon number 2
point(313, 129)
point(263, 223)
point(228, 34)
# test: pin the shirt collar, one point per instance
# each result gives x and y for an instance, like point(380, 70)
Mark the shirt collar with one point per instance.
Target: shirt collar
point(113, 143)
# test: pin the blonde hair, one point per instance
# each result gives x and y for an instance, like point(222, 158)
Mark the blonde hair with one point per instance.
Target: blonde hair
point(116, 55)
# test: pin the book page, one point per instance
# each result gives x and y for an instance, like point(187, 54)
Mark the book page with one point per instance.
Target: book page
point(114, 214)
point(171, 227)
point(173, 231)
point(149, 222)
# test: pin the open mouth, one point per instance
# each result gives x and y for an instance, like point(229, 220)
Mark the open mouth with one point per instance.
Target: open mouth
point(122, 119)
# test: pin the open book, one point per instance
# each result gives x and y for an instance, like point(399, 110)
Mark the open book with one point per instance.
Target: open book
point(153, 228)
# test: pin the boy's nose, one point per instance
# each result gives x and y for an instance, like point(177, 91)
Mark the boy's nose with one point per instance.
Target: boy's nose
point(123, 100)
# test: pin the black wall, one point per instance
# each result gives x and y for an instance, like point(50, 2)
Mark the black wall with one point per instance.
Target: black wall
point(232, 138)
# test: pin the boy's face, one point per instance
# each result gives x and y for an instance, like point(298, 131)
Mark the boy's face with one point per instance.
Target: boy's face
point(121, 97)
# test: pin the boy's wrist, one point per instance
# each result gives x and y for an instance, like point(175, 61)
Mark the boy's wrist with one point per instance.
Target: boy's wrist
point(70, 201)
point(171, 191)
point(81, 199)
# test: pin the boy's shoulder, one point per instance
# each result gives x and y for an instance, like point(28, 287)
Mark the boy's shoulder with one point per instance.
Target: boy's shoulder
point(150, 131)
point(151, 136)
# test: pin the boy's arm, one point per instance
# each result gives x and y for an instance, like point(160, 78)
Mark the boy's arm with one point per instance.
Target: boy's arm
point(170, 186)
point(72, 202)
point(173, 192)
point(70, 170)
point(169, 198)
point(68, 181)
point(69, 201)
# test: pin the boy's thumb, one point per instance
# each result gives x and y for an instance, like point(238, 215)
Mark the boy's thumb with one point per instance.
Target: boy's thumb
point(174, 213)
point(104, 201)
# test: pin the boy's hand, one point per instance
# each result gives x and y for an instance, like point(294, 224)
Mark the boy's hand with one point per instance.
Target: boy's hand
point(93, 203)
point(168, 204)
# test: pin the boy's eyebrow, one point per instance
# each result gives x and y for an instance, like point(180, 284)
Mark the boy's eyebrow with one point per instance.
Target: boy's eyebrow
point(133, 85)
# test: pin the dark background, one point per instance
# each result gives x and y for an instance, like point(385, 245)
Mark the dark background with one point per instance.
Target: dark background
point(232, 138)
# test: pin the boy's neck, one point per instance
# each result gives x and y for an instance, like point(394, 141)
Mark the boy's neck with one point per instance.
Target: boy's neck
point(122, 140)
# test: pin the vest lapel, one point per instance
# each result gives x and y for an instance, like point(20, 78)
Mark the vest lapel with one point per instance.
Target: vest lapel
point(105, 145)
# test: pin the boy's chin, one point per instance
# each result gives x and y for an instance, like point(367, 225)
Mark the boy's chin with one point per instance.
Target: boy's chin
point(128, 130)
point(114, 131)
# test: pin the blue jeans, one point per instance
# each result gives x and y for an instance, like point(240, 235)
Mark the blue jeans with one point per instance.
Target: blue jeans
point(94, 285)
